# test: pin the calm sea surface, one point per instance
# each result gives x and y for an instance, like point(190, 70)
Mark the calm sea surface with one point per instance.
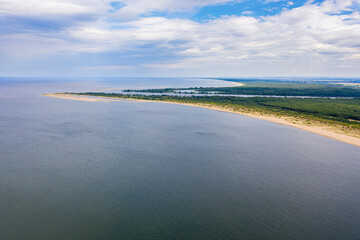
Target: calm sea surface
point(131, 170)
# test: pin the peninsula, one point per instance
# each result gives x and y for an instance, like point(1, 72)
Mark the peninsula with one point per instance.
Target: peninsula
point(330, 109)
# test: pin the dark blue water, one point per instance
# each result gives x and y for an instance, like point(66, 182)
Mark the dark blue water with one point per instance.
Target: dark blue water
point(133, 170)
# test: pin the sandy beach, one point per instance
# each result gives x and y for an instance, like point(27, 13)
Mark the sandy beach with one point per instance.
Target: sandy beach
point(320, 129)
point(81, 98)
point(236, 84)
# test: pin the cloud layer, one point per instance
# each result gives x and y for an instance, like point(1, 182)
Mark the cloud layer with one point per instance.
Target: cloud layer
point(139, 37)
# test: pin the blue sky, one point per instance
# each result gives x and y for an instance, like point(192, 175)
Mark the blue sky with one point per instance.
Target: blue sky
point(210, 38)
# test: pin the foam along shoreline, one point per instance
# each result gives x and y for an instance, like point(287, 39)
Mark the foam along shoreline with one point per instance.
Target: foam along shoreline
point(322, 130)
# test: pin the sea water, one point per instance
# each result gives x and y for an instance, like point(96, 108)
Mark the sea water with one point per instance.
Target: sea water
point(142, 170)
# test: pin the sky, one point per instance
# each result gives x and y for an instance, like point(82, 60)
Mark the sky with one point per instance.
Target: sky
point(185, 38)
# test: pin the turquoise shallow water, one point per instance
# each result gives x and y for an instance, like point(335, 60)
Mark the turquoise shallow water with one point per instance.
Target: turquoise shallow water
point(130, 170)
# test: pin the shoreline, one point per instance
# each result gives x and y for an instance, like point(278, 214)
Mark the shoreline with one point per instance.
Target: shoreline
point(236, 84)
point(322, 130)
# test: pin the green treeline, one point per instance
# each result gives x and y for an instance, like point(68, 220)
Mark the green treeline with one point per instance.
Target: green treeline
point(270, 88)
point(341, 111)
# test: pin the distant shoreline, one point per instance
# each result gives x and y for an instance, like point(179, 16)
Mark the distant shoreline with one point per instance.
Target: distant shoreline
point(319, 129)
point(236, 84)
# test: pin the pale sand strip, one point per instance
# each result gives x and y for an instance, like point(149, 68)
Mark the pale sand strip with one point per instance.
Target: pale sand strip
point(81, 98)
point(236, 84)
point(326, 131)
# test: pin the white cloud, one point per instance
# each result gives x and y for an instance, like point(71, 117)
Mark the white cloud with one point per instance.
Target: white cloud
point(131, 8)
point(247, 13)
point(46, 8)
point(308, 39)
point(134, 8)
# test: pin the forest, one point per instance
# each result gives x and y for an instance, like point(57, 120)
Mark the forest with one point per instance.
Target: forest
point(269, 88)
